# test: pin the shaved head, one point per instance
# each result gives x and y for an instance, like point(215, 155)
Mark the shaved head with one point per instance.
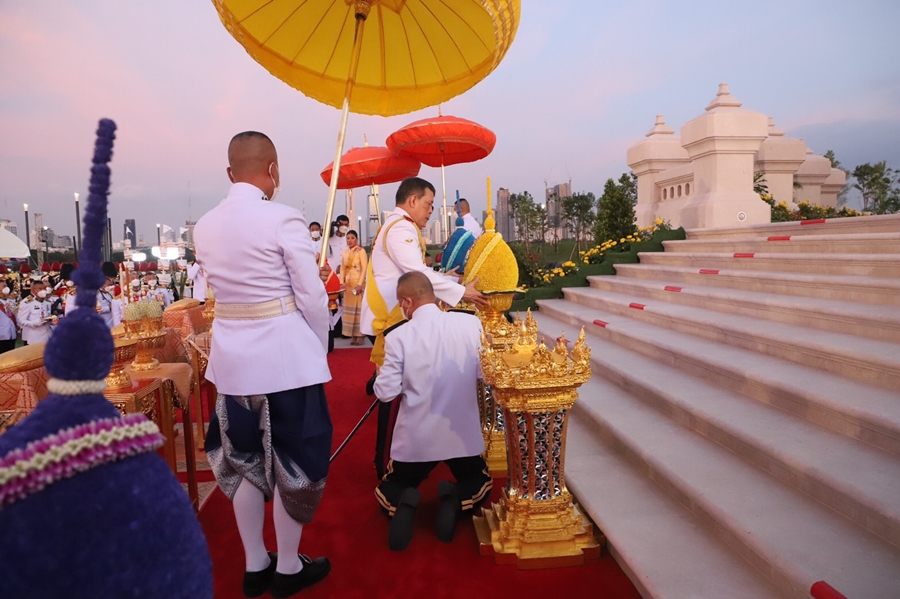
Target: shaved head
point(250, 153)
point(416, 286)
point(463, 205)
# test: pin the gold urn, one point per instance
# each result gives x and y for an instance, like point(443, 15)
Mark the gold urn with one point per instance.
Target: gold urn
point(536, 523)
point(125, 351)
point(149, 338)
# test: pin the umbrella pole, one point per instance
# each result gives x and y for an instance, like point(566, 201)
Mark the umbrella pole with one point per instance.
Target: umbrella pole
point(444, 216)
point(336, 169)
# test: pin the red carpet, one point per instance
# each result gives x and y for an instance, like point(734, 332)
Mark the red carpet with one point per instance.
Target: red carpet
point(350, 529)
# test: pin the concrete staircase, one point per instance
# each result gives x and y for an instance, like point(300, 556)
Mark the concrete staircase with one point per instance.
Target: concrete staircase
point(740, 436)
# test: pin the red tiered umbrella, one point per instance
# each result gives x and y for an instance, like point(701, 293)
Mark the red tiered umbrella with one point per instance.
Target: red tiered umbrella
point(371, 165)
point(443, 141)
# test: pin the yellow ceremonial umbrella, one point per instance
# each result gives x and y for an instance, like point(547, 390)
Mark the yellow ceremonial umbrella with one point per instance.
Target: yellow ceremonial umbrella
point(383, 57)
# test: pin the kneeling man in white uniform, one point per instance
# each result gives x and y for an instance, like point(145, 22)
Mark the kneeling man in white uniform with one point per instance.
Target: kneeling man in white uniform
point(431, 367)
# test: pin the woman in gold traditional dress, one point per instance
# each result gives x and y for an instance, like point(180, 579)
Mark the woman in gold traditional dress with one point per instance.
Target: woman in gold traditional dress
point(353, 277)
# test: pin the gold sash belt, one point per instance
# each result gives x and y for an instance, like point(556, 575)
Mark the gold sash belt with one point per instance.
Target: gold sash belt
point(269, 309)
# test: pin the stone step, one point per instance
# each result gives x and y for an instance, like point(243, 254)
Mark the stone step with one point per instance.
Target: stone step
point(856, 243)
point(863, 412)
point(869, 361)
point(866, 320)
point(820, 463)
point(868, 265)
point(665, 551)
point(792, 539)
point(850, 288)
point(886, 223)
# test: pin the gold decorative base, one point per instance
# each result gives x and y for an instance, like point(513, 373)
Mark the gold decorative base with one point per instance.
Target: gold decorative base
point(535, 535)
point(495, 453)
point(118, 379)
point(146, 349)
point(125, 351)
point(152, 364)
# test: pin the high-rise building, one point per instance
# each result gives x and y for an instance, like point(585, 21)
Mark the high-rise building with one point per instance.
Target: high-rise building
point(505, 223)
point(557, 226)
point(187, 233)
point(130, 232)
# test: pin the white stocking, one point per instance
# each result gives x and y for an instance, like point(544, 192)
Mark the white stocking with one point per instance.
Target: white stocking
point(250, 513)
point(287, 535)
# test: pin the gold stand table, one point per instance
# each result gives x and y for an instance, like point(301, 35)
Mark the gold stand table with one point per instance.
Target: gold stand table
point(536, 523)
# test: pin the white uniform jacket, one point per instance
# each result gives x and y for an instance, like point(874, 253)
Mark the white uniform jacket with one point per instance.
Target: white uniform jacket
point(471, 225)
point(245, 234)
point(405, 256)
point(196, 276)
point(7, 327)
point(336, 247)
point(32, 318)
point(433, 361)
point(104, 300)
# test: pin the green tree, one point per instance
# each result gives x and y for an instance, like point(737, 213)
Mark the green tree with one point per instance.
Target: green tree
point(845, 190)
point(879, 187)
point(628, 182)
point(578, 210)
point(526, 214)
point(615, 210)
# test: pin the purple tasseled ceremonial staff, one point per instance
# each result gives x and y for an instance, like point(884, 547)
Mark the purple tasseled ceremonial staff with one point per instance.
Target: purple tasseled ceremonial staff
point(87, 507)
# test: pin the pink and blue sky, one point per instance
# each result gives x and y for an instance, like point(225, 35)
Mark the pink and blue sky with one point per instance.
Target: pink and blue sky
point(582, 82)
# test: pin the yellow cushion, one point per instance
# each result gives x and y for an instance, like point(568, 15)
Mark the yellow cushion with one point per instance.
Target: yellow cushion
point(21, 359)
point(183, 304)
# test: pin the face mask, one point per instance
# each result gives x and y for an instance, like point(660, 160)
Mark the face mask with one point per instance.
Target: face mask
point(316, 234)
point(275, 185)
point(135, 283)
point(110, 288)
point(69, 283)
point(5, 291)
point(42, 293)
point(343, 229)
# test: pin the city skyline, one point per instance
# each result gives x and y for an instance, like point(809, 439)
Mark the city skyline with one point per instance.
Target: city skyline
point(581, 83)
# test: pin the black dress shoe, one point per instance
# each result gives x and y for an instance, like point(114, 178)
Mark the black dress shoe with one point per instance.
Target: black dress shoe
point(402, 523)
point(257, 583)
point(448, 512)
point(314, 570)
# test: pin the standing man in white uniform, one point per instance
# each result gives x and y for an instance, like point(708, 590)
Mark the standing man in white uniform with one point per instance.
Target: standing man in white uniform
point(198, 280)
point(469, 222)
point(34, 315)
point(432, 364)
point(399, 248)
point(270, 435)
